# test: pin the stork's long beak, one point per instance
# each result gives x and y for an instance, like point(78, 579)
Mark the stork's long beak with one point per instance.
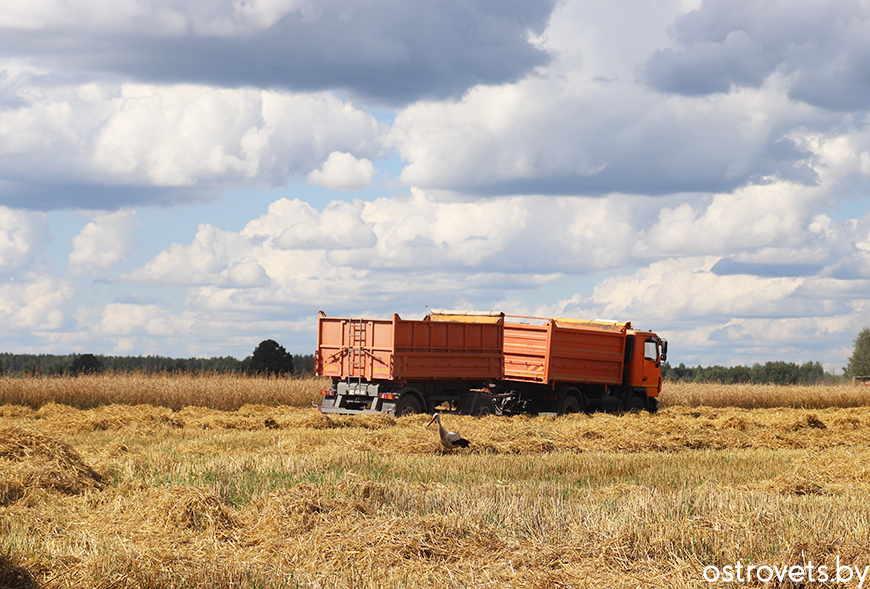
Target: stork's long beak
point(432, 421)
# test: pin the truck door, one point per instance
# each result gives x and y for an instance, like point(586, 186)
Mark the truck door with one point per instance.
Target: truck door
point(652, 365)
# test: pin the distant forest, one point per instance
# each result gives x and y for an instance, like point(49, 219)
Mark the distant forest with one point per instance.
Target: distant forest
point(57, 365)
point(51, 364)
point(768, 373)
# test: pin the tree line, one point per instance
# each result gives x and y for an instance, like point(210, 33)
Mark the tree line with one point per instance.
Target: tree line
point(71, 364)
point(768, 373)
point(267, 361)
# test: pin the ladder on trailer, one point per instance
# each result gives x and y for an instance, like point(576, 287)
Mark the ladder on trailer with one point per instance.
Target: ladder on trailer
point(356, 337)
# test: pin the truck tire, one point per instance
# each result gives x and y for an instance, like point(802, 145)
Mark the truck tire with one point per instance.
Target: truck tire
point(635, 404)
point(408, 405)
point(483, 405)
point(570, 404)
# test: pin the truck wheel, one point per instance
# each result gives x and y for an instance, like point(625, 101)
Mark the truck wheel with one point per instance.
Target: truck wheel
point(635, 404)
point(484, 405)
point(408, 405)
point(569, 404)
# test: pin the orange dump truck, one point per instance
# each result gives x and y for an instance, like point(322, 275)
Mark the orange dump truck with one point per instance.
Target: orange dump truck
point(486, 363)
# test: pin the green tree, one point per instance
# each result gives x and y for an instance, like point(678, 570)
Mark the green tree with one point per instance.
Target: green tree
point(57, 368)
point(778, 372)
point(811, 372)
point(31, 368)
point(859, 363)
point(303, 363)
point(86, 364)
point(270, 358)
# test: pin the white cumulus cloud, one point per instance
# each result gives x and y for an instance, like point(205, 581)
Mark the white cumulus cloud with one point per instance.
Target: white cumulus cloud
point(122, 319)
point(183, 135)
point(23, 235)
point(104, 242)
point(101, 145)
point(342, 171)
point(36, 302)
point(214, 258)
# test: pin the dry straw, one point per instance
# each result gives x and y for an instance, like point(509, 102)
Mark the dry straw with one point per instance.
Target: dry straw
point(273, 495)
point(13, 576)
point(30, 460)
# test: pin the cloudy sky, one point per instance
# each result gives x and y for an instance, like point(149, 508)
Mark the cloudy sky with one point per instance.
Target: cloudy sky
point(190, 177)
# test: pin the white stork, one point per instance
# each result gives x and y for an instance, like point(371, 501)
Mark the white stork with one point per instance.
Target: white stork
point(449, 440)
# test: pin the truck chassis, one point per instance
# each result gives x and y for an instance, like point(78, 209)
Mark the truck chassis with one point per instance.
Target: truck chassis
point(479, 399)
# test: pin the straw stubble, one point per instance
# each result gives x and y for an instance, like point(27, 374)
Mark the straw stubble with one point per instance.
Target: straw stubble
point(274, 495)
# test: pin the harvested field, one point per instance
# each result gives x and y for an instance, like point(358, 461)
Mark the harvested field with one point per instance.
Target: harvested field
point(273, 495)
point(280, 496)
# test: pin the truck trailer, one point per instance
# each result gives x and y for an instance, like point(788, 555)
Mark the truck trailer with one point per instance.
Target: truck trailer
point(486, 363)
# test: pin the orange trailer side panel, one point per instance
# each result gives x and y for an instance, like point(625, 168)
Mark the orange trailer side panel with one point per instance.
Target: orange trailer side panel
point(586, 355)
point(563, 353)
point(447, 350)
point(397, 349)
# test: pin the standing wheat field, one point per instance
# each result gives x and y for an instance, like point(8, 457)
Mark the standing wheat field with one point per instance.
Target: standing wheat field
point(173, 390)
point(238, 482)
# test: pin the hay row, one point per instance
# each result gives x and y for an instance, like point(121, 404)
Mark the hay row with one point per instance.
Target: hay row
point(30, 460)
point(671, 429)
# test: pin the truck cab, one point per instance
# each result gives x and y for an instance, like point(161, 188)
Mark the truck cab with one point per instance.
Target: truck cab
point(644, 356)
